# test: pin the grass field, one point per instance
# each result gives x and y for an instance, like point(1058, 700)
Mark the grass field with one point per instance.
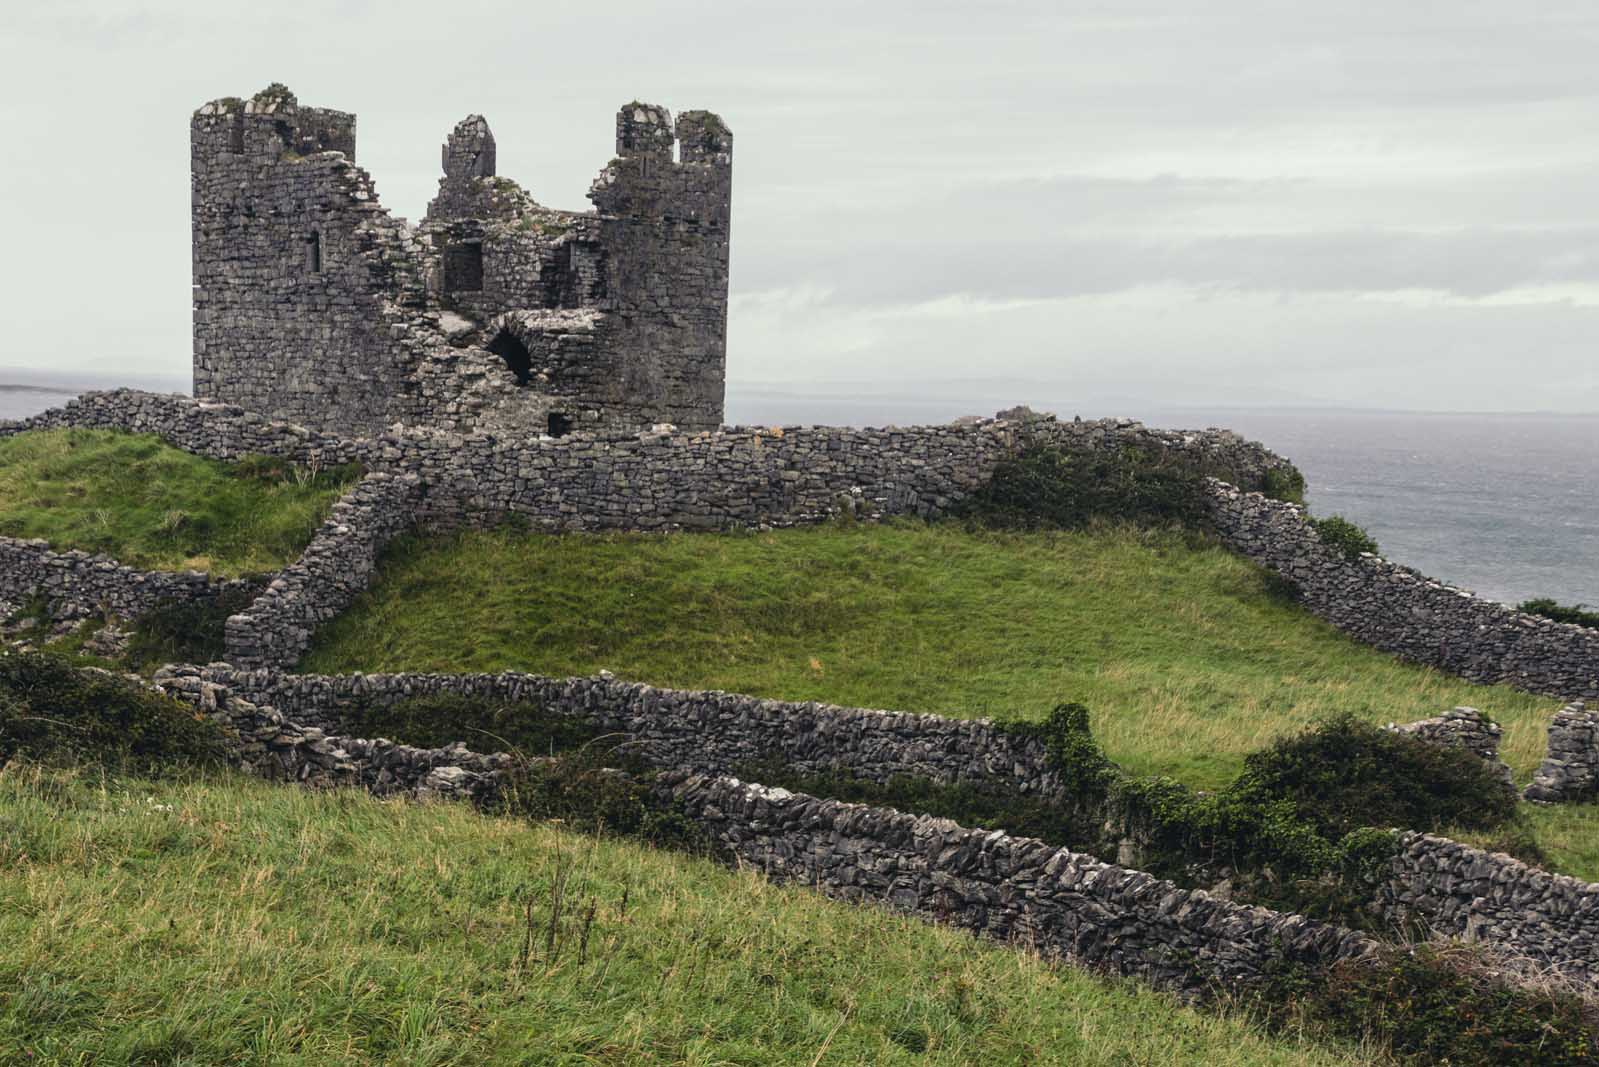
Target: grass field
point(153, 506)
point(1184, 653)
point(230, 921)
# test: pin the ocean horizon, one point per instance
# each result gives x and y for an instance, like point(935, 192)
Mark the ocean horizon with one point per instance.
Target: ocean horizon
point(1503, 504)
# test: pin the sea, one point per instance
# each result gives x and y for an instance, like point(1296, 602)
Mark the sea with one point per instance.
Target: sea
point(1506, 505)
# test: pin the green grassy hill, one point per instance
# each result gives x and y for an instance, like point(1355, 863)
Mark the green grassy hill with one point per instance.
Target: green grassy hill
point(1188, 655)
point(153, 506)
point(225, 920)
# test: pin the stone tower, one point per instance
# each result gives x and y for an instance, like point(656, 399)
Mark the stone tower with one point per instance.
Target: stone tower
point(312, 303)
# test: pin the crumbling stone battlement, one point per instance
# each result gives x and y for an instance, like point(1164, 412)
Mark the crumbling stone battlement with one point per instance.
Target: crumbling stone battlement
point(312, 303)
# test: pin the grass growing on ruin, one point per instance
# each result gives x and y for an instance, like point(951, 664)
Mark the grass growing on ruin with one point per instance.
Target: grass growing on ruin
point(1187, 655)
point(227, 920)
point(153, 506)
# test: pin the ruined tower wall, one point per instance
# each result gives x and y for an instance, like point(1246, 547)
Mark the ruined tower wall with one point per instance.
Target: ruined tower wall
point(313, 305)
point(300, 276)
point(665, 227)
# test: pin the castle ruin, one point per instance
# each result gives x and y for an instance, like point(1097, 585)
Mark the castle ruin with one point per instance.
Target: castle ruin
point(313, 304)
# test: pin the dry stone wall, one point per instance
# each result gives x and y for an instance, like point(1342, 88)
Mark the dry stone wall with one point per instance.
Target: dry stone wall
point(1570, 768)
point(79, 585)
point(1456, 890)
point(336, 566)
point(707, 732)
point(267, 744)
point(1549, 921)
point(1401, 611)
point(1465, 728)
point(737, 476)
point(1015, 889)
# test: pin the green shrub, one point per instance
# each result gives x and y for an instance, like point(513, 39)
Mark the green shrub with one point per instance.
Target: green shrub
point(1047, 487)
point(1086, 772)
point(53, 712)
point(1576, 614)
point(1431, 1005)
point(1343, 774)
point(1284, 483)
point(486, 725)
point(1339, 533)
point(185, 631)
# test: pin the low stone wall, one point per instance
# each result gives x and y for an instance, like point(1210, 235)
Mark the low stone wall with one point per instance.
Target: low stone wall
point(1400, 611)
point(1570, 768)
point(737, 476)
point(1458, 891)
point(707, 732)
point(335, 568)
point(1015, 889)
point(1465, 728)
point(80, 585)
point(270, 745)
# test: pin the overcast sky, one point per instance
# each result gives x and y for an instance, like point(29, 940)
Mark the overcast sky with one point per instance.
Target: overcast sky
point(1121, 203)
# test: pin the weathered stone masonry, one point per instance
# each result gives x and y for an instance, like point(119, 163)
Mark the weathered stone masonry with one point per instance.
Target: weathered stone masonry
point(1456, 890)
point(79, 585)
point(312, 303)
point(1400, 611)
point(1014, 889)
point(332, 571)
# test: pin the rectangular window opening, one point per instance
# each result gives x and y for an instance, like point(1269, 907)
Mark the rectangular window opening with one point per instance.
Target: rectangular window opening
point(560, 424)
point(463, 267)
point(313, 253)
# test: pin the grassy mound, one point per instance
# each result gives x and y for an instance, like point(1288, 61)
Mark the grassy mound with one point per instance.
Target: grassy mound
point(1187, 654)
point(153, 506)
point(231, 921)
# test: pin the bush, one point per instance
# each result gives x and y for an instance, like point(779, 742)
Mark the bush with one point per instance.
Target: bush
point(53, 712)
point(1047, 487)
point(1431, 1005)
point(1284, 483)
point(1344, 774)
point(439, 719)
point(1337, 532)
point(1576, 614)
point(185, 631)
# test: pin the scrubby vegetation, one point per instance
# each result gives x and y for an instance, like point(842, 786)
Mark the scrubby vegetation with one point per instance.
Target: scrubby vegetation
point(1301, 829)
point(223, 920)
point(1337, 532)
point(1576, 614)
point(185, 631)
point(53, 712)
point(151, 505)
point(1046, 488)
point(1189, 656)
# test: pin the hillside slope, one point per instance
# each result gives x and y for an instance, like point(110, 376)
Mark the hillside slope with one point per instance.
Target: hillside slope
point(232, 921)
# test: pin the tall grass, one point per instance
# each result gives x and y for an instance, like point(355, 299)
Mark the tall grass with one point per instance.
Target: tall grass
point(153, 506)
point(225, 920)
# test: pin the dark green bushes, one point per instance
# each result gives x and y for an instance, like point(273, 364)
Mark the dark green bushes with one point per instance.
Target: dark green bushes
point(440, 719)
point(53, 712)
point(1284, 483)
point(1431, 1005)
point(1046, 487)
point(1576, 614)
point(185, 631)
point(1337, 532)
point(1303, 828)
point(1345, 774)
